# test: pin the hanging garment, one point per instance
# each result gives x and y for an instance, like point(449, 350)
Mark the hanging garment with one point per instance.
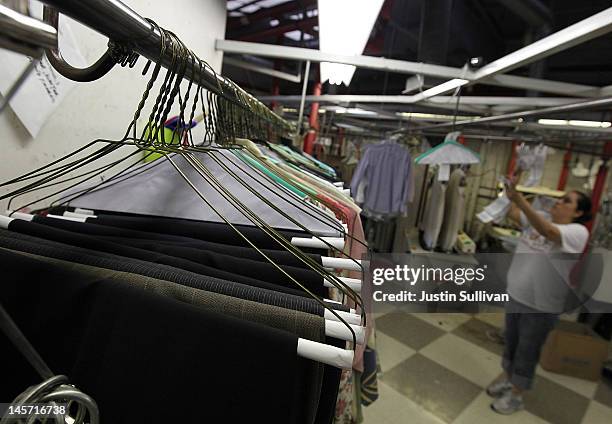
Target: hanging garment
point(385, 171)
point(301, 160)
point(495, 211)
point(329, 388)
point(369, 381)
point(454, 210)
point(264, 270)
point(305, 180)
point(356, 247)
point(448, 153)
point(536, 170)
point(352, 154)
point(157, 189)
point(106, 232)
point(271, 168)
point(320, 188)
point(276, 178)
point(344, 413)
point(434, 213)
point(22, 242)
point(525, 157)
point(328, 169)
point(207, 231)
point(305, 325)
point(528, 159)
point(90, 242)
point(113, 335)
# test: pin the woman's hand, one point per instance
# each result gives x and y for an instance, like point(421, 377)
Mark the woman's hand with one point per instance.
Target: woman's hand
point(537, 221)
point(511, 191)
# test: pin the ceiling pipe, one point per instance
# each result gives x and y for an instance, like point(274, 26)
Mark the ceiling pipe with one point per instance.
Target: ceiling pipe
point(398, 99)
point(404, 67)
point(588, 104)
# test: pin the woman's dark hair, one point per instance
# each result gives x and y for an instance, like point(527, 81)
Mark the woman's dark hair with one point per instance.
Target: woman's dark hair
point(583, 204)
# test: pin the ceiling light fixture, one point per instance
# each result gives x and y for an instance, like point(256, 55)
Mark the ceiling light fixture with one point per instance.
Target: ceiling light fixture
point(344, 29)
point(592, 124)
point(553, 122)
point(433, 117)
point(358, 111)
point(575, 123)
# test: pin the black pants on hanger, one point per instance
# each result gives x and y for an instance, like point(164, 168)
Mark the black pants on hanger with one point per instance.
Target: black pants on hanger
point(38, 246)
point(90, 242)
point(145, 358)
point(209, 231)
point(279, 256)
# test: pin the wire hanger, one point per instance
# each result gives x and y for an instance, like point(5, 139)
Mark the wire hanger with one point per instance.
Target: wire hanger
point(225, 121)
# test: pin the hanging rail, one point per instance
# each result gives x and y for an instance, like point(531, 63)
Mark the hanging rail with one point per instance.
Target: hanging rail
point(122, 25)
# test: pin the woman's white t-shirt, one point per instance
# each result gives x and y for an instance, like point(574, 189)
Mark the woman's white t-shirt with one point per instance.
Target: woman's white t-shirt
point(539, 275)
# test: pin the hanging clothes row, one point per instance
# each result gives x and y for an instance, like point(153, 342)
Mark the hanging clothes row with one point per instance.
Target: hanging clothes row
point(221, 276)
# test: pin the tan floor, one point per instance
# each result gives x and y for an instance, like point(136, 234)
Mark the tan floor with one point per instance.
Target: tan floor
point(435, 368)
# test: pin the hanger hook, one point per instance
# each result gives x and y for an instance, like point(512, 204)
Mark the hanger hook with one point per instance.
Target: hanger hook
point(100, 68)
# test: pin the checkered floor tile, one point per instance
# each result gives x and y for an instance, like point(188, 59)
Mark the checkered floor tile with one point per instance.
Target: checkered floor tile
point(434, 368)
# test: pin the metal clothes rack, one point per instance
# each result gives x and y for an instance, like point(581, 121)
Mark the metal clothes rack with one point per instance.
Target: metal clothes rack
point(124, 26)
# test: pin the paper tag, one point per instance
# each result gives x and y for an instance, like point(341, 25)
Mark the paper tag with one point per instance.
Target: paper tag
point(444, 172)
point(44, 89)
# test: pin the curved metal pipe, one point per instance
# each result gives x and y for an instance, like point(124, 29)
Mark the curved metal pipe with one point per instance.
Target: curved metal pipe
point(100, 68)
point(24, 34)
point(118, 22)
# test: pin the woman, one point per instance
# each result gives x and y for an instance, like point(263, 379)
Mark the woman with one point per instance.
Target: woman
point(538, 286)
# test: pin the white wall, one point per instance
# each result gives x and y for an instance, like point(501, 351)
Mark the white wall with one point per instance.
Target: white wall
point(104, 108)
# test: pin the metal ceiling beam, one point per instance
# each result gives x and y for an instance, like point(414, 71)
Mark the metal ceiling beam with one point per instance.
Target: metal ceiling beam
point(427, 124)
point(542, 85)
point(537, 127)
point(365, 124)
point(607, 90)
point(465, 100)
point(403, 67)
point(346, 99)
point(506, 101)
point(578, 33)
point(571, 107)
point(370, 62)
point(585, 30)
point(261, 69)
